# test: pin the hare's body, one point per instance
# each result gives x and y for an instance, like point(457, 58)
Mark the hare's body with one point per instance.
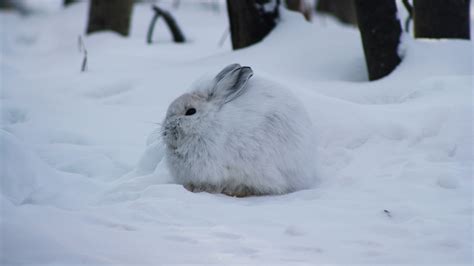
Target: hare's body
point(259, 142)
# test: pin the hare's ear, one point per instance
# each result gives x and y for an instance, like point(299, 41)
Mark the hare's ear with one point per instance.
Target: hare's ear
point(232, 83)
point(226, 71)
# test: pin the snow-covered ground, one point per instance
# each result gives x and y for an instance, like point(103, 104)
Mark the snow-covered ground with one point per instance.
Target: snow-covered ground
point(80, 186)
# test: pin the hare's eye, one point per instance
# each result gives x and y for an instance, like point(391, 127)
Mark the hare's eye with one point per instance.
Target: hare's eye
point(190, 111)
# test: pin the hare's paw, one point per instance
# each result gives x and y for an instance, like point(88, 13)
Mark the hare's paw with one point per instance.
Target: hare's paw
point(189, 187)
point(201, 188)
point(240, 191)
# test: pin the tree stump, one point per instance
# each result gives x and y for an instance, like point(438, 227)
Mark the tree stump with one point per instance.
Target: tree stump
point(441, 19)
point(112, 15)
point(380, 30)
point(248, 24)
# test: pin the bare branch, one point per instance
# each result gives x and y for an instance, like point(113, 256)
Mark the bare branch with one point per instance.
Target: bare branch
point(82, 49)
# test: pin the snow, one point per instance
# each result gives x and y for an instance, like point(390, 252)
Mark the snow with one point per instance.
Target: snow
point(81, 185)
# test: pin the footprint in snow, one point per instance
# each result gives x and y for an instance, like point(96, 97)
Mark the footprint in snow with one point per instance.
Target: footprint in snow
point(11, 116)
point(294, 231)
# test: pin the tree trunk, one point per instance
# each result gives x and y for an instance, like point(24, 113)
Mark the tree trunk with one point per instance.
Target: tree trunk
point(294, 5)
point(112, 15)
point(68, 2)
point(248, 22)
point(6, 4)
point(344, 10)
point(380, 31)
point(441, 19)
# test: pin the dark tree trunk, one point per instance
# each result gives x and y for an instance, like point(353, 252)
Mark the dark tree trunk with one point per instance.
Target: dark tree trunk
point(248, 22)
point(112, 15)
point(344, 10)
point(294, 5)
point(6, 4)
point(68, 2)
point(380, 31)
point(441, 19)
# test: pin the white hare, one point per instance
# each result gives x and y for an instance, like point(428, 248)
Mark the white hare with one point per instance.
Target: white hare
point(239, 136)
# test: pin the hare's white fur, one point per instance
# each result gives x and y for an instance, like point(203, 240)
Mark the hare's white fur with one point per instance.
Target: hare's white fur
point(248, 136)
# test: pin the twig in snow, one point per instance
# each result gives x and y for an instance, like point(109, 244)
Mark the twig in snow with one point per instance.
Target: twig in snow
point(224, 36)
point(82, 49)
point(409, 9)
point(178, 36)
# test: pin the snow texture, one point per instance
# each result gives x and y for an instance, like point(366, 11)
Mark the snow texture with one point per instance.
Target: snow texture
point(80, 183)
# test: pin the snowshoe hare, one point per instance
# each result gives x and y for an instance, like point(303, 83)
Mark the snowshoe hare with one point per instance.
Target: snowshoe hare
point(239, 136)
